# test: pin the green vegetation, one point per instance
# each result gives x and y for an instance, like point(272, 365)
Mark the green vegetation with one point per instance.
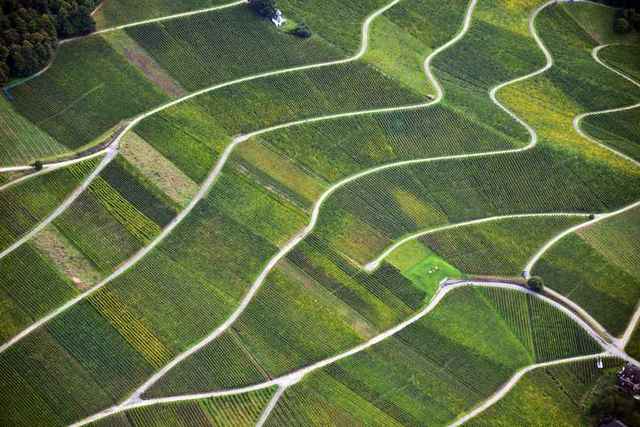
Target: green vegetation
point(22, 141)
point(29, 32)
point(620, 130)
point(598, 268)
point(88, 91)
point(317, 301)
point(561, 393)
point(117, 12)
point(536, 284)
point(233, 411)
point(264, 8)
point(497, 248)
point(202, 50)
point(429, 373)
point(23, 206)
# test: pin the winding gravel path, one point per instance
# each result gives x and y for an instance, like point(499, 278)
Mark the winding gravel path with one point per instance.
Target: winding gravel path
point(296, 376)
point(111, 153)
point(211, 178)
point(283, 382)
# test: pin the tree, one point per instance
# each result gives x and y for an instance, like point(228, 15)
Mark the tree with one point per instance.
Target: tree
point(536, 284)
point(29, 32)
point(302, 30)
point(265, 8)
point(621, 26)
point(38, 165)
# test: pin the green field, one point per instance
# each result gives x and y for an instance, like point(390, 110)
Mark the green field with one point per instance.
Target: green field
point(119, 12)
point(428, 374)
point(559, 393)
point(598, 269)
point(232, 411)
point(420, 167)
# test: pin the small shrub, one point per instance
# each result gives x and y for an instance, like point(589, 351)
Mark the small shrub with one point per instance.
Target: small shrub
point(536, 284)
point(38, 165)
point(264, 8)
point(302, 31)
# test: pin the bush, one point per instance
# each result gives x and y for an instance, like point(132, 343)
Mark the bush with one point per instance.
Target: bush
point(536, 284)
point(264, 8)
point(38, 165)
point(621, 26)
point(302, 31)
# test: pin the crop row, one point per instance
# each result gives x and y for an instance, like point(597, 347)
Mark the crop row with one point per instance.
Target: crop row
point(559, 393)
point(88, 90)
point(599, 268)
point(429, 373)
point(22, 142)
point(497, 248)
point(23, 206)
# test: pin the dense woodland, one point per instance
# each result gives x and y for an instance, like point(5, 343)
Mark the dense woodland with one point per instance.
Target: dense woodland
point(30, 29)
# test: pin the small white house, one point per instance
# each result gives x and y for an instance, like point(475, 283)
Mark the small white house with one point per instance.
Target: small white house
point(278, 19)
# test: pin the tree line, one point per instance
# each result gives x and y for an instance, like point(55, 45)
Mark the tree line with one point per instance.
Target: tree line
point(30, 30)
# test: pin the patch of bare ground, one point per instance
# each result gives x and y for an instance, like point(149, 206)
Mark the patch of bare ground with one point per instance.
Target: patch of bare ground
point(66, 258)
point(158, 169)
point(139, 57)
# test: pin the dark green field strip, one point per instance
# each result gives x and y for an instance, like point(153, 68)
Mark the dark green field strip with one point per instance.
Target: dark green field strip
point(23, 206)
point(202, 50)
point(242, 410)
point(427, 374)
point(31, 287)
point(598, 269)
point(119, 12)
point(560, 393)
point(497, 248)
point(119, 214)
point(172, 298)
point(412, 198)
point(22, 141)
point(88, 90)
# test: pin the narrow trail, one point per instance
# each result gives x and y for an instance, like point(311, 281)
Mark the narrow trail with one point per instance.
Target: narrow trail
point(373, 265)
point(296, 376)
point(626, 336)
point(271, 406)
point(507, 387)
point(63, 207)
point(134, 400)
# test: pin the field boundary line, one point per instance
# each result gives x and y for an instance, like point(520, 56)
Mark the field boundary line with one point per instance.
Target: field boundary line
point(77, 192)
point(508, 386)
point(375, 263)
point(623, 340)
point(296, 376)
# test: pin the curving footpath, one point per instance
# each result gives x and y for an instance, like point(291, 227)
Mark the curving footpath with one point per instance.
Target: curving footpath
point(111, 154)
point(134, 400)
point(296, 376)
point(214, 173)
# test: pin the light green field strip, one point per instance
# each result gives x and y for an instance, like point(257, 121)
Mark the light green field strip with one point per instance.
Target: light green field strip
point(393, 166)
point(296, 376)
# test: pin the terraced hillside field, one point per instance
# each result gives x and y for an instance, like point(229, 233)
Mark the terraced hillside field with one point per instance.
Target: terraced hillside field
point(208, 220)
